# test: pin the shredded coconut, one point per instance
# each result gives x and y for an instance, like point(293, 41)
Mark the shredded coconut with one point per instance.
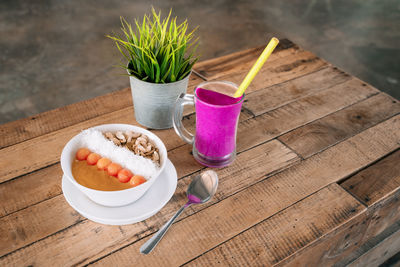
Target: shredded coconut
point(96, 142)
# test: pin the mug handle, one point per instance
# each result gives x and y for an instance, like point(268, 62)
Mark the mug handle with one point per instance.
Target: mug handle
point(183, 99)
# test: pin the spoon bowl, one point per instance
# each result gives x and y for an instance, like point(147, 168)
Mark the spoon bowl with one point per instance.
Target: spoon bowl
point(200, 190)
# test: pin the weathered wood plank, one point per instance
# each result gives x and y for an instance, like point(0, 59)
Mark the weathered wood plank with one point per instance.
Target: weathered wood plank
point(331, 247)
point(24, 129)
point(376, 182)
point(282, 190)
point(241, 61)
point(381, 213)
point(46, 122)
point(297, 182)
point(282, 69)
point(340, 243)
point(49, 121)
point(304, 110)
point(270, 157)
point(45, 150)
point(364, 248)
point(379, 187)
point(380, 253)
point(281, 94)
point(45, 183)
point(338, 126)
point(36, 187)
point(34, 223)
point(79, 232)
point(286, 232)
point(250, 133)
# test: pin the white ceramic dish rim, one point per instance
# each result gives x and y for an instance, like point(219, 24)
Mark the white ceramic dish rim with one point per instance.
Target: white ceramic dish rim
point(123, 127)
point(126, 221)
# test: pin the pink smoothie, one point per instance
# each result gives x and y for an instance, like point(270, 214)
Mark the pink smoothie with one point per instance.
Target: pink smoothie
point(216, 122)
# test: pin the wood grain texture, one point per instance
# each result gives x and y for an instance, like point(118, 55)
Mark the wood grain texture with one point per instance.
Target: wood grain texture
point(335, 246)
point(262, 193)
point(286, 232)
point(49, 121)
point(34, 223)
point(273, 157)
point(381, 213)
point(376, 182)
point(303, 111)
point(250, 132)
point(24, 129)
point(281, 190)
point(364, 248)
point(378, 187)
point(45, 183)
point(380, 253)
point(37, 186)
point(241, 61)
point(320, 134)
point(281, 94)
point(283, 69)
point(45, 150)
point(34, 126)
point(33, 148)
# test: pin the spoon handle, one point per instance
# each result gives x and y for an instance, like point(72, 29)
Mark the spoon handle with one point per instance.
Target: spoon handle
point(150, 244)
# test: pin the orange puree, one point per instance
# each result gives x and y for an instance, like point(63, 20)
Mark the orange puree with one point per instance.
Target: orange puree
point(91, 177)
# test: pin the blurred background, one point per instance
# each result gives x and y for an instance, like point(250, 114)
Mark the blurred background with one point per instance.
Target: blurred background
point(54, 52)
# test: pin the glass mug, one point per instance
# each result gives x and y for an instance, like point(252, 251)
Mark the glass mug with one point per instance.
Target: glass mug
point(217, 116)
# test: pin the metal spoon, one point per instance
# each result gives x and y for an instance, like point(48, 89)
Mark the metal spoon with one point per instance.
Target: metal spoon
point(200, 190)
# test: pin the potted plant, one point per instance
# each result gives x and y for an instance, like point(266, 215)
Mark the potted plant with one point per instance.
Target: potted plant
point(160, 56)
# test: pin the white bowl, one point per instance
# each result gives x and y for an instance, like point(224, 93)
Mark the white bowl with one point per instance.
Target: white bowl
point(112, 198)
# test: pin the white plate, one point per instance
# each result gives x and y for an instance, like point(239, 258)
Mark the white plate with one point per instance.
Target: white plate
point(149, 204)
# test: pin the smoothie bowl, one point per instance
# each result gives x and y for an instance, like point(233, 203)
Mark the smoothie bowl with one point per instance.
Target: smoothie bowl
point(114, 164)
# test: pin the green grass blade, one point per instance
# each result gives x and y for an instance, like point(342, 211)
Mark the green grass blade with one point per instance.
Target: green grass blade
point(159, 49)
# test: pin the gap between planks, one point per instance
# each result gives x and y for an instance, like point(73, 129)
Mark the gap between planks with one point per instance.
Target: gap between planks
point(196, 170)
point(272, 136)
point(47, 115)
point(345, 146)
point(276, 148)
point(316, 63)
point(320, 195)
point(344, 123)
point(362, 184)
point(359, 155)
point(26, 146)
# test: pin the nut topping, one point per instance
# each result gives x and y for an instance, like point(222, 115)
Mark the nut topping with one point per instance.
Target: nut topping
point(138, 143)
point(121, 137)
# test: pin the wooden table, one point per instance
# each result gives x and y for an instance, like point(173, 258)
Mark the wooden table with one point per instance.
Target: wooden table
point(317, 176)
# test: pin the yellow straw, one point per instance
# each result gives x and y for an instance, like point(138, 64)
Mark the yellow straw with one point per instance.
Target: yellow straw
point(256, 67)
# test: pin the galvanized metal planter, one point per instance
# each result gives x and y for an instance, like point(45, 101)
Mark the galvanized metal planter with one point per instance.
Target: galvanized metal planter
point(154, 102)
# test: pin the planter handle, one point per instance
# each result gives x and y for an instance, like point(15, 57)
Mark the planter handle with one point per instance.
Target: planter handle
point(183, 99)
